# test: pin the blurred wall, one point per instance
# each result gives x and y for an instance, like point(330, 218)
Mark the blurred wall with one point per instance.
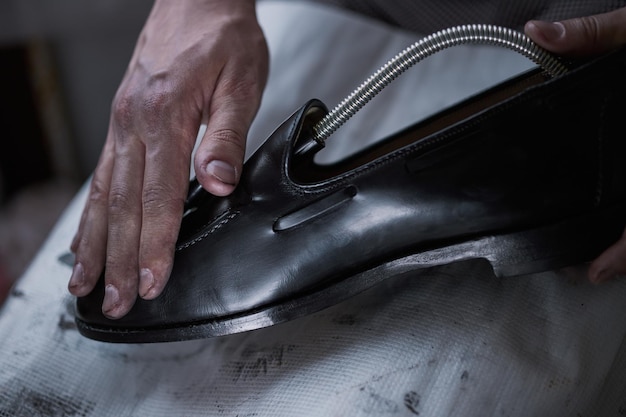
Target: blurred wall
point(60, 64)
point(88, 44)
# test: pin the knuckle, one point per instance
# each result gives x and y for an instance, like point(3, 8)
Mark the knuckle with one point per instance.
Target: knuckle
point(156, 201)
point(592, 27)
point(156, 102)
point(149, 103)
point(229, 137)
point(123, 107)
point(119, 202)
point(98, 192)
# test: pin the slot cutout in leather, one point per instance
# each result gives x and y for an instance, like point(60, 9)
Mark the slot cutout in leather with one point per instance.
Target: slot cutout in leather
point(316, 209)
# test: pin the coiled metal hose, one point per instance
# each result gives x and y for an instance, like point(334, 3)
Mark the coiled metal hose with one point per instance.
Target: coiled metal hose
point(482, 34)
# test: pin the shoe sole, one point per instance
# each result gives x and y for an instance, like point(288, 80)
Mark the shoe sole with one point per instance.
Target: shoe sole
point(570, 242)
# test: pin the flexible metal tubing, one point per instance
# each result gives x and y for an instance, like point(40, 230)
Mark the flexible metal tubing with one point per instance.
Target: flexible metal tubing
point(481, 34)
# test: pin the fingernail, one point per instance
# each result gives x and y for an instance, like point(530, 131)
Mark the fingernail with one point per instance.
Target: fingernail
point(551, 31)
point(77, 280)
point(146, 283)
point(111, 301)
point(223, 171)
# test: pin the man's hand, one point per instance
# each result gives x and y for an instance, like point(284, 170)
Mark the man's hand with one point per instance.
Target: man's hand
point(589, 35)
point(194, 61)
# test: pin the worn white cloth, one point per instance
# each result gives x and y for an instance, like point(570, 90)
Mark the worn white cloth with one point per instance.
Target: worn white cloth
point(446, 341)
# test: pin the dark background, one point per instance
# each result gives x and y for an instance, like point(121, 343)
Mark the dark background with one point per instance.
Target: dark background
point(60, 64)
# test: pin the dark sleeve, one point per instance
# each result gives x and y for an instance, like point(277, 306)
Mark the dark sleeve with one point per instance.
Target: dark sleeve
point(427, 16)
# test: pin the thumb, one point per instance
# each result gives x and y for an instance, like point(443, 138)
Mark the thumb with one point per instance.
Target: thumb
point(219, 157)
point(587, 35)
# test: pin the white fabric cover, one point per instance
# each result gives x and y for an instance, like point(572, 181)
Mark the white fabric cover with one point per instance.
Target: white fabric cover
point(447, 341)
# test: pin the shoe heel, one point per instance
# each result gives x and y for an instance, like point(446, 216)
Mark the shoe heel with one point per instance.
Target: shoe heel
point(570, 242)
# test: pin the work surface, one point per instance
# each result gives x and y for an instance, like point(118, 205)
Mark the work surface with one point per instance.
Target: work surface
point(447, 341)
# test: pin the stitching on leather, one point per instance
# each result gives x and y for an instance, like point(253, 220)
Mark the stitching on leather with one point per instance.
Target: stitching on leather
point(207, 233)
point(229, 217)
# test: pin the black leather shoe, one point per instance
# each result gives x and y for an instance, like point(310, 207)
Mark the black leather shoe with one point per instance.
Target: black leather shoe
point(529, 175)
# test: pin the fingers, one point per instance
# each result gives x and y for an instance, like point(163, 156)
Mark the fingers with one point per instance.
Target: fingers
point(611, 263)
point(89, 243)
point(208, 58)
point(165, 184)
point(580, 36)
point(134, 207)
point(125, 222)
point(154, 131)
point(219, 157)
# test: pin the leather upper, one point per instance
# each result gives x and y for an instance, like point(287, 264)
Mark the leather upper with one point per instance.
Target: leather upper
point(551, 151)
